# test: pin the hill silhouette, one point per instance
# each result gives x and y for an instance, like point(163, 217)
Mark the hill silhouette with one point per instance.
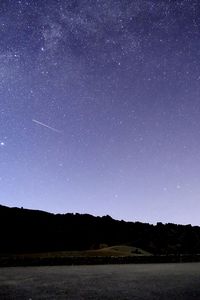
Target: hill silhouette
point(25, 230)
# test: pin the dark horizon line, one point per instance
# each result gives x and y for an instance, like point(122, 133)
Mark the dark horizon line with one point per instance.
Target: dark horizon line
point(95, 216)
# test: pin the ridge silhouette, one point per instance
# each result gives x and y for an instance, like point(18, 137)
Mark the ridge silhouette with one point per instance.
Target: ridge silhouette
point(24, 230)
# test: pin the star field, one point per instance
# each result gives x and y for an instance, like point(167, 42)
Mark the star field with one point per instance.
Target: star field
point(99, 107)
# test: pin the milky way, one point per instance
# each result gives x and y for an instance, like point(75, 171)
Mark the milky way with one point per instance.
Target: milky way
point(120, 81)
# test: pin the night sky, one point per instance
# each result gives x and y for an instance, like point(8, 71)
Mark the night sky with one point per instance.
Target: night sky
point(100, 108)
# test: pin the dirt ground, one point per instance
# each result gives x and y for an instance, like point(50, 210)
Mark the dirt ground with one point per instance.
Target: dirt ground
point(145, 281)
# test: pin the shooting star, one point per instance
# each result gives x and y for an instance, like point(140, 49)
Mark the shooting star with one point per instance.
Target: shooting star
point(42, 124)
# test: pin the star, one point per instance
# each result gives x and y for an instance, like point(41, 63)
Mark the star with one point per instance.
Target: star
point(113, 98)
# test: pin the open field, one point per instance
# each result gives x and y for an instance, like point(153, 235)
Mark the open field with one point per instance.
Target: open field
point(109, 255)
point(119, 250)
point(146, 281)
point(105, 255)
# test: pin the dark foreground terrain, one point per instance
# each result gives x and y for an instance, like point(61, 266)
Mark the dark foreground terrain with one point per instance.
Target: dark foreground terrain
point(149, 281)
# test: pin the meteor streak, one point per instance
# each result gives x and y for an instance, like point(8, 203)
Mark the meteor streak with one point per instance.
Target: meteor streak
point(42, 124)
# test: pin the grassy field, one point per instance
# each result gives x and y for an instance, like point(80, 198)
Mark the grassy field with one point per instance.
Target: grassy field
point(121, 250)
point(103, 255)
point(120, 254)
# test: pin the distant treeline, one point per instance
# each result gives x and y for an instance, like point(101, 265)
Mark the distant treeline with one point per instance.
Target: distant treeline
point(23, 230)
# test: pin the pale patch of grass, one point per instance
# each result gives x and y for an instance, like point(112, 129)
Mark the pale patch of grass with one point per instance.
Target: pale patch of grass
point(120, 250)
